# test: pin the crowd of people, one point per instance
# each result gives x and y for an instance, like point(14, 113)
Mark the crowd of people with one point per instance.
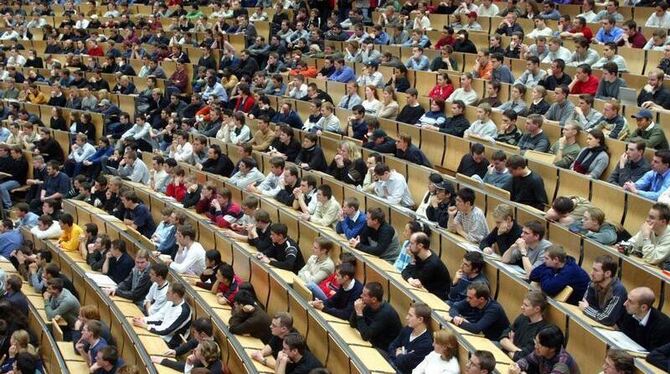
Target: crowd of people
point(221, 98)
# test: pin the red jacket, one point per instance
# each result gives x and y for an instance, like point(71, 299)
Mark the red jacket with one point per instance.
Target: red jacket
point(244, 105)
point(178, 191)
point(589, 87)
point(229, 292)
point(95, 51)
point(441, 92)
point(203, 205)
point(329, 285)
point(227, 215)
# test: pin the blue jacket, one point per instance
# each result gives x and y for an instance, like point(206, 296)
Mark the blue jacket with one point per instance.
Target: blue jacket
point(292, 119)
point(415, 350)
point(345, 75)
point(490, 321)
point(341, 305)
point(552, 281)
point(351, 228)
point(100, 153)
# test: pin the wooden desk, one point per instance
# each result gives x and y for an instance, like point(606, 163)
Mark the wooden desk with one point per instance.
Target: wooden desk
point(257, 365)
point(576, 313)
point(211, 300)
point(332, 319)
point(285, 275)
point(68, 352)
point(129, 309)
point(76, 366)
point(250, 342)
point(434, 302)
point(224, 314)
point(154, 344)
point(487, 345)
point(374, 361)
point(352, 336)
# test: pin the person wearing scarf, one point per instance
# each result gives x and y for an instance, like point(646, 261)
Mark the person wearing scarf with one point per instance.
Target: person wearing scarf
point(593, 159)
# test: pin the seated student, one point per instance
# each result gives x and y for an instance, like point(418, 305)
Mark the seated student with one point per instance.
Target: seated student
point(14, 295)
point(52, 271)
point(327, 208)
point(392, 187)
point(190, 257)
point(304, 196)
point(171, 321)
point(285, 144)
point(497, 174)
point(294, 357)
point(434, 118)
point(652, 242)
point(405, 150)
point(319, 266)
point(347, 165)
point(559, 271)
point(247, 174)
point(479, 313)
point(283, 251)
point(526, 187)
point(433, 180)
point(594, 227)
point(162, 236)
point(444, 198)
point(454, 125)
point(137, 214)
point(469, 272)
point(375, 319)
point(654, 96)
point(426, 271)
point(378, 238)
point(137, 284)
point(509, 133)
point(157, 295)
point(562, 109)
point(444, 357)
point(339, 302)
point(404, 254)
point(516, 102)
point(351, 220)
point(415, 340)
point(467, 220)
point(474, 163)
point(273, 182)
point(528, 251)
point(118, 263)
point(643, 323)
point(538, 104)
point(26, 218)
point(518, 340)
point(606, 294)
point(69, 239)
point(632, 164)
point(654, 182)
point(90, 342)
point(505, 234)
point(212, 264)
point(58, 301)
point(647, 131)
point(534, 138)
point(249, 318)
point(412, 112)
point(226, 285)
point(379, 141)
point(549, 353)
point(107, 360)
point(201, 330)
point(223, 211)
point(282, 325)
point(483, 127)
point(311, 155)
point(566, 148)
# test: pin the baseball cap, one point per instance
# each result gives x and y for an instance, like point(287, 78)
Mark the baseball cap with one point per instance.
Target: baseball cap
point(643, 113)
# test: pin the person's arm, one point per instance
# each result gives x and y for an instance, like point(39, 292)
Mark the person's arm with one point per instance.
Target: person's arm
point(384, 240)
point(190, 260)
point(599, 165)
point(655, 253)
point(289, 260)
point(183, 316)
point(491, 315)
point(660, 357)
point(550, 283)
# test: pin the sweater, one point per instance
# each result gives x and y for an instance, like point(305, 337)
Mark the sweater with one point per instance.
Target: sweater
point(256, 324)
point(459, 290)
point(315, 270)
point(136, 285)
point(432, 273)
point(490, 320)
point(285, 255)
point(351, 227)
point(170, 321)
point(553, 281)
point(524, 335)
point(655, 333)
point(382, 242)
point(341, 305)
point(415, 350)
point(502, 241)
point(435, 364)
point(379, 327)
point(410, 114)
point(528, 190)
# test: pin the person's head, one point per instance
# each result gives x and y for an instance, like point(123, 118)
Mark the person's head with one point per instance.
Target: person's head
point(608, 23)
point(593, 219)
point(644, 118)
point(635, 150)
point(533, 64)
point(658, 217)
point(661, 161)
point(478, 295)
point(278, 233)
point(555, 257)
point(483, 112)
point(282, 324)
point(618, 361)
point(534, 124)
point(465, 199)
point(418, 317)
point(185, 234)
point(54, 285)
point(561, 93)
point(509, 118)
point(375, 217)
point(373, 294)
point(158, 273)
point(142, 259)
point(419, 243)
point(603, 270)
point(477, 152)
point(534, 303)
point(294, 346)
point(91, 331)
point(532, 232)
point(595, 138)
point(176, 292)
point(518, 92)
point(517, 165)
point(481, 362)
point(472, 264)
point(457, 107)
point(549, 341)
point(639, 302)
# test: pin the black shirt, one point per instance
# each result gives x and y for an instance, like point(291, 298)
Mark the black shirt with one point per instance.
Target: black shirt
point(410, 114)
point(469, 167)
point(528, 190)
point(305, 365)
point(660, 97)
point(432, 273)
point(551, 82)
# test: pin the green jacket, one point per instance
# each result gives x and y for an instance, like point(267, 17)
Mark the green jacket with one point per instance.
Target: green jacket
point(654, 137)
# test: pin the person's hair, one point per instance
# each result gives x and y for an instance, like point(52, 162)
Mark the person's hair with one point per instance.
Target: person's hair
point(187, 230)
point(423, 239)
point(556, 251)
point(94, 327)
point(611, 68)
point(607, 263)
point(23, 207)
point(563, 205)
point(422, 311)
point(551, 337)
point(486, 107)
point(352, 202)
point(467, 195)
point(110, 354)
point(375, 290)
point(250, 202)
point(486, 360)
point(26, 363)
point(377, 214)
point(214, 256)
point(346, 269)
point(348, 258)
point(622, 360)
point(448, 340)
point(596, 214)
point(119, 245)
point(517, 162)
point(536, 227)
point(89, 312)
point(663, 211)
point(285, 320)
point(477, 148)
point(481, 289)
point(476, 260)
point(210, 351)
point(326, 191)
point(536, 119)
point(14, 282)
point(502, 211)
point(295, 341)
point(325, 243)
point(277, 162)
point(45, 255)
point(499, 155)
point(262, 216)
point(537, 298)
point(56, 283)
point(664, 155)
point(586, 68)
point(178, 288)
point(279, 229)
point(533, 60)
point(160, 269)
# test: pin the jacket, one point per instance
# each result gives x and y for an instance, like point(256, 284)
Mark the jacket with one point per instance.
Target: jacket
point(552, 281)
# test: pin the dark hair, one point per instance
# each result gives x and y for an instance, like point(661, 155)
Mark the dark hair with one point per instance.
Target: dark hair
point(536, 227)
point(563, 205)
point(160, 269)
point(467, 195)
point(227, 272)
point(279, 229)
point(608, 263)
point(476, 260)
point(214, 256)
point(551, 337)
point(377, 214)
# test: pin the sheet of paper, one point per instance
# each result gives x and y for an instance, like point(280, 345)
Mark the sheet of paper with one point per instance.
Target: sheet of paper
point(621, 340)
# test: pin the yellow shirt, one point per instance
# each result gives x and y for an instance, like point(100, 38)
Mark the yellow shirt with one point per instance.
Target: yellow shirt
point(69, 240)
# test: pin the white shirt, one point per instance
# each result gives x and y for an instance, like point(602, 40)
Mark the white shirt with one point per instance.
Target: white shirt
point(183, 153)
point(190, 260)
point(434, 364)
point(53, 232)
point(157, 296)
point(394, 190)
point(656, 21)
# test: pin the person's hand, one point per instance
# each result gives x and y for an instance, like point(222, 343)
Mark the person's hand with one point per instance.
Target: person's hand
point(414, 282)
point(583, 304)
point(304, 216)
point(646, 229)
point(622, 160)
point(317, 304)
point(488, 251)
point(248, 308)
point(358, 306)
point(452, 211)
point(282, 358)
point(514, 369)
point(156, 359)
point(457, 320)
point(353, 242)
point(257, 355)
